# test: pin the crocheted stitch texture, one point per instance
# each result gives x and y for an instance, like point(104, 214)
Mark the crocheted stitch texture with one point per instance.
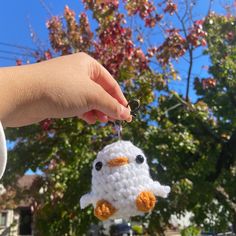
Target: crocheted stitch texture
point(119, 176)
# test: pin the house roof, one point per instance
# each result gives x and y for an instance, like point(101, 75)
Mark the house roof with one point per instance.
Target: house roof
point(11, 201)
point(26, 181)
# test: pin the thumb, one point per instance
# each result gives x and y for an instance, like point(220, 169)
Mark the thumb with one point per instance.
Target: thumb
point(104, 102)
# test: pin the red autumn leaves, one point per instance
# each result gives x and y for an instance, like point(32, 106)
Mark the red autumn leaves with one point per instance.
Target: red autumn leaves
point(145, 9)
point(197, 35)
point(175, 45)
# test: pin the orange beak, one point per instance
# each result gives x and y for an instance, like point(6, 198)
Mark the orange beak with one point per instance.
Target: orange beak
point(118, 161)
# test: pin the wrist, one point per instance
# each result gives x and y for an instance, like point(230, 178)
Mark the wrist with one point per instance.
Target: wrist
point(7, 102)
point(17, 92)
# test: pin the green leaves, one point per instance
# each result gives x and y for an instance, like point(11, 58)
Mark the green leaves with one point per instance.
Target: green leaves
point(190, 231)
point(186, 143)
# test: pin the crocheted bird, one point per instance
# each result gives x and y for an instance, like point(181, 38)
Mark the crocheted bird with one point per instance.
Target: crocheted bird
point(121, 183)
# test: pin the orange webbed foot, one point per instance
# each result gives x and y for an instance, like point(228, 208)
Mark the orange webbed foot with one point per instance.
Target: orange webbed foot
point(104, 210)
point(145, 201)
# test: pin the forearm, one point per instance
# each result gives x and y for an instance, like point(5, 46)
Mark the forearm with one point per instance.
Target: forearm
point(17, 92)
point(68, 86)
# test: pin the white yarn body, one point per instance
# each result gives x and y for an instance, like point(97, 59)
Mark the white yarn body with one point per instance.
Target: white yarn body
point(3, 151)
point(121, 185)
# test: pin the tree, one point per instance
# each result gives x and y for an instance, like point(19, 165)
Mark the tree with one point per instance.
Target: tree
point(190, 145)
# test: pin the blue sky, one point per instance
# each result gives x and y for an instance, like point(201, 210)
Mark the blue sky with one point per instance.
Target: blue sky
point(17, 17)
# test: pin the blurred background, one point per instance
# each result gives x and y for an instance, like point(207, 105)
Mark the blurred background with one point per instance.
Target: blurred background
point(178, 57)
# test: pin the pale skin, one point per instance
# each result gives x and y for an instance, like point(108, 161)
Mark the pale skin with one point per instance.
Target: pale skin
point(69, 86)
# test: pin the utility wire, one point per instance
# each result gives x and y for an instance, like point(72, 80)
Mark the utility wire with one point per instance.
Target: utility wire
point(16, 53)
point(46, 7)
point(8, 58)
point(17, 46)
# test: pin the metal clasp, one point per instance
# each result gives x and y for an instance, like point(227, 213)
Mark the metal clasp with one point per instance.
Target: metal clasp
point(134, 105)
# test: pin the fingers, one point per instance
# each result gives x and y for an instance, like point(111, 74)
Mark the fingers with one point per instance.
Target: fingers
point(102, 77)
point(89, 117)
point(92, 116)
point(101, 116)
point(105, 103)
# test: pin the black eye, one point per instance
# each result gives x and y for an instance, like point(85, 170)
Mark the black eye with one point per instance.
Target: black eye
point(139, 159)
point(98, 165)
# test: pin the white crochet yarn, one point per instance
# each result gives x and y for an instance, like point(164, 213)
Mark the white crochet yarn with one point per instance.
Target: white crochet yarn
point(121, 185)
point(3, 151)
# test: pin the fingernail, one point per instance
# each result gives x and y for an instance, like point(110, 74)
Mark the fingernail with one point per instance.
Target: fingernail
point(103, 118)
point(111, 118)
point(129, 119)
point(124, 113)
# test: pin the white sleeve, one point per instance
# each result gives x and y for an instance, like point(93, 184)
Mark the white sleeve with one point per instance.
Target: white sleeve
point(3, 151)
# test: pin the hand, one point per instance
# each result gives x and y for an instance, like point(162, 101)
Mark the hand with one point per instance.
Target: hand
point(68, 86)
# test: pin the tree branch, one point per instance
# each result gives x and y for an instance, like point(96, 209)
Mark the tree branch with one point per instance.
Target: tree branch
point(226, 159)
point(189, 72)
point(209, 7)
point(201, 123)
point(226, 197)
point(190, 50)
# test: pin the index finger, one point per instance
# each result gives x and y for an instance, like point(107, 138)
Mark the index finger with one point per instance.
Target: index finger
point(102, 77)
